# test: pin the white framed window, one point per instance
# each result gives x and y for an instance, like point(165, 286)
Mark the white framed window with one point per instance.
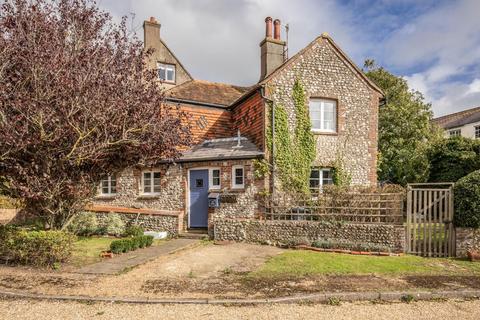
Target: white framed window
point(455, 133)
point(238, 177)
point(323, 115)
point(477, 132)
point(214, 178)
point(108, 185)
point(150, 182)
point(166, 72)
point(320, 177)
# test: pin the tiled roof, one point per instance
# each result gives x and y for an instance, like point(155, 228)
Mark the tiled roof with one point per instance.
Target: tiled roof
point(222, 149)
point(219, 94)
point(458, 119)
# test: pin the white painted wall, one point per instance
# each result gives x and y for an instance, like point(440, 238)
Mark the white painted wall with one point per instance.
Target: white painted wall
point(467, 131)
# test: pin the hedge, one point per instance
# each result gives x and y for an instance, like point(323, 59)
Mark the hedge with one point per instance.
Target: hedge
point(130, 244)
point(453, 158)
point(38, 248)
point(467, 201)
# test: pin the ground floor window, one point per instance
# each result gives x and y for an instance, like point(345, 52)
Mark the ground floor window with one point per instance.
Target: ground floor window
point(455, 133)
point(320, 177)
point(477, 132)
point(108, 185)
point(151, 182)
point(214, 178)
point(238, 179)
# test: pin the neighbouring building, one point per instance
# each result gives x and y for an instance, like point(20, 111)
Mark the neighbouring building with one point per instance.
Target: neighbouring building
point(230, 125)
point(464, 123)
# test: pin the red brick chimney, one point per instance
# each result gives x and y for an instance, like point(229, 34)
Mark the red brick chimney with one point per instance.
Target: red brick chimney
point(276, 29)
point(268, 27)
point(272, 50)
point(151, 29)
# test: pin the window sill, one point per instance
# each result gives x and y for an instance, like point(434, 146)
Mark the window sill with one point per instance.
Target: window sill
point(148, 196)
point(238, 189)
point(327, 133)
point(105, 197)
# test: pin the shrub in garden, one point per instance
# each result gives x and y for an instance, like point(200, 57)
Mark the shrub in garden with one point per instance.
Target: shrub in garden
point(113, 225)
point(38, 248)
point(84, 224)
point(133, 231)
point(467, 201)
point(454, 158)
point(130, 244)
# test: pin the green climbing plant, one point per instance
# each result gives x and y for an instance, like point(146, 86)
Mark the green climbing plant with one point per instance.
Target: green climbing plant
point(293, 153)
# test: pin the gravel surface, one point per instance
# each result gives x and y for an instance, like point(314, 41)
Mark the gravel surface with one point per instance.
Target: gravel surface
point(26, 309)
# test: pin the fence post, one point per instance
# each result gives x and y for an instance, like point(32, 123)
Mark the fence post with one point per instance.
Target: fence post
point(409, 216)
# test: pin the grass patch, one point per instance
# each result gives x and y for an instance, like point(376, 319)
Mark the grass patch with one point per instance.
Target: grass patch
point(306, 263)
point(87, 250)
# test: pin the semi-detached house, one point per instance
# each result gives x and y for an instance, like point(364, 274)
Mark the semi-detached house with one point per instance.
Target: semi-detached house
point(229, 126)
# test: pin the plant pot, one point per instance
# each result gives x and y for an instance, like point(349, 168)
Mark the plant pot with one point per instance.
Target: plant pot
point(473, 255)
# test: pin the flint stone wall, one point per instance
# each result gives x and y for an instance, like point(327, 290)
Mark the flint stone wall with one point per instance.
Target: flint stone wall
point(324, 74)
point(154, 222)
point(467, 239)
point(282, 232)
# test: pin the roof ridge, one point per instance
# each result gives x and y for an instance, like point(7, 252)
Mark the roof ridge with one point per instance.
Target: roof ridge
point(456, 113)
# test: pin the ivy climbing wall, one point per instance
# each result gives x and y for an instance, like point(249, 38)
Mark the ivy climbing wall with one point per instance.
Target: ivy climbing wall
point(325, 73)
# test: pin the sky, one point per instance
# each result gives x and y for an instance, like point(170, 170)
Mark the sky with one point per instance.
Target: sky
point(433, 44)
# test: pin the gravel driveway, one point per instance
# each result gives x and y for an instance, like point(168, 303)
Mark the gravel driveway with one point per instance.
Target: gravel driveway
point(24, 309)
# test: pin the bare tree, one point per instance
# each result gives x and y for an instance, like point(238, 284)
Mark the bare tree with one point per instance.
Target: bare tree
point(77, 102)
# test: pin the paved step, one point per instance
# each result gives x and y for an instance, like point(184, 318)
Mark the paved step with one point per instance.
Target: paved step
point(131, 259)
point(193, 235)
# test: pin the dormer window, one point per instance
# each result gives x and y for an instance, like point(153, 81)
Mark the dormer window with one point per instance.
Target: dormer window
point(166, 72)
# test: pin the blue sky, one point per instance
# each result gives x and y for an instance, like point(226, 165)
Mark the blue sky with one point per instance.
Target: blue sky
point(435, 45)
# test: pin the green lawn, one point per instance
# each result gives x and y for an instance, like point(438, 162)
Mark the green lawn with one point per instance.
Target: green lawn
point(305, 263)
point(87, 250)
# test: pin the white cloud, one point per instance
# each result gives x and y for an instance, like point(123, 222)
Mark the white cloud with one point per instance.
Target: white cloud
point(443, 46)
point(437, 51)
point(473, 87)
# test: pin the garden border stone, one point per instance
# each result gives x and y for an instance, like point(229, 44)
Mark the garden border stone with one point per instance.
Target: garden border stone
point(315, 298)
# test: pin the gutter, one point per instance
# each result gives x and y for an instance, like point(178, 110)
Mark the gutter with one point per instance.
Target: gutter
point(197, 103)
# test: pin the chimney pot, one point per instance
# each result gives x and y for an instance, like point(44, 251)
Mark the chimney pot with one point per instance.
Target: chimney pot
point(276, 29)
point(268, 27)
point(153, 20)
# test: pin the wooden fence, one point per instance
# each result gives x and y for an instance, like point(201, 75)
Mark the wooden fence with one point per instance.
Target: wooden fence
point(430, 230)
point(353, 207)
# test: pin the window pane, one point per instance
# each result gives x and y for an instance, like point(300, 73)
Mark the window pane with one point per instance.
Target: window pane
point(156, 182)
point(105, 183)
point(216, 177)
point(329, 115)
point(314, 184)
point(315, 174)
point(113, 185)
point(477, 132)
point(147, 182)
point(327, 177)
point(238, 176)
point(161, 74)
point(316, 124)
point(105, 190)
point(170, 76)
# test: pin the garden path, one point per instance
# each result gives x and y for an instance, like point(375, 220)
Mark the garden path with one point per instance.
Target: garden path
point(132, 259)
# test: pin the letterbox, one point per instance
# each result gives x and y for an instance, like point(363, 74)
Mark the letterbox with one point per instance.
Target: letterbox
point(213, 200)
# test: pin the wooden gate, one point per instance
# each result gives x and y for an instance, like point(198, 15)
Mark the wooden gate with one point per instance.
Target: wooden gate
point(430, 230)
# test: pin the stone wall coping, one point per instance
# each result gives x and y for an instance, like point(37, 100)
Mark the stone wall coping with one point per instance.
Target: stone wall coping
point(108, 209)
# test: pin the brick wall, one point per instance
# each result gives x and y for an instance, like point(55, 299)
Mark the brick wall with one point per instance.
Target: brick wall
point(209, 123)
point(324, 73)
point(249, 117)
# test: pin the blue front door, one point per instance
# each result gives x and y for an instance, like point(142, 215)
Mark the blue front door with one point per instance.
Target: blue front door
point(198, 198)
